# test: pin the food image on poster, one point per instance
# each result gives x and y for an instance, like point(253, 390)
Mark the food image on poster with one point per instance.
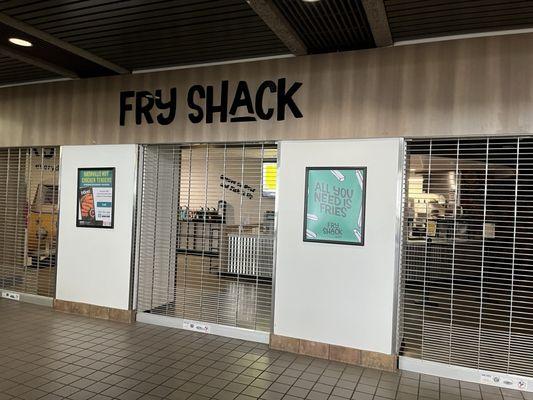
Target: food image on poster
point(95, 197)
point(335, 205)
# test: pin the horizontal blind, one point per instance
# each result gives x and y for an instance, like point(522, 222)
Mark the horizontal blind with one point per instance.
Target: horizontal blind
point(29, 209)
point(207, 233)
point(467, 261)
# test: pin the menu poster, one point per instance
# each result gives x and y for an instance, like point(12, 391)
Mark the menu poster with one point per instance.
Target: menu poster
point(96, 195)
point(335, 205)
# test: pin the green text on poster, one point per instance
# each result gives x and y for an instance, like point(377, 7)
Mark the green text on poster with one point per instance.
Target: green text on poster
point(95, 197)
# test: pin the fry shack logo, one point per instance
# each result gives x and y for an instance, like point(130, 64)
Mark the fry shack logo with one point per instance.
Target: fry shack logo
point(271, 100)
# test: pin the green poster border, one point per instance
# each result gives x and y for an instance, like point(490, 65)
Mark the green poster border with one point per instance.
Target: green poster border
point(78, 225)
point(363, 205)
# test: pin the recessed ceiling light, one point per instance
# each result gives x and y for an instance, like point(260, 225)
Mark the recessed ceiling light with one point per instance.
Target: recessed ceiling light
point(20, 42)
point(310, 1)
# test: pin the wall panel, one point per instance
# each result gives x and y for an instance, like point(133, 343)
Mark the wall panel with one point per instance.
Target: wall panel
point(480, 86)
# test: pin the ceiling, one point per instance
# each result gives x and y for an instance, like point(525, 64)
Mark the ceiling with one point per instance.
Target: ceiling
point(87, 38)
point(410, 19)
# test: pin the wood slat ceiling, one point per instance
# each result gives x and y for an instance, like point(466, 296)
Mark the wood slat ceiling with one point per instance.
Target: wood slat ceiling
point(328, 25)
point(415, 19)
point(139, 34)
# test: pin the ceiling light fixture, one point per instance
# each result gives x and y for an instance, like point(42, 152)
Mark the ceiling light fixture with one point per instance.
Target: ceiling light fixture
point(20, 42)
point(310, 1)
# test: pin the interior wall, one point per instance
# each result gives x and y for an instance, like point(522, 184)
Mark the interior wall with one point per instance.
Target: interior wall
point(478, 86)
point(201, 181)
point(339, 294)
point(94, 265)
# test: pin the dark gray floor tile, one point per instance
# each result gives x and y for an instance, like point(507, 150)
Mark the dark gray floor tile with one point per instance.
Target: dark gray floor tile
point(82, 395)
point(341, 392)
point(87, 358)
point(302, 383)
point(386, 393)
point(365, 388)
point(208, 391)
point(312, 395)
point(362, 396)
point(271, 395)
point(226, 395)
point(298, 392)
point(427, 393)
point(320, 387)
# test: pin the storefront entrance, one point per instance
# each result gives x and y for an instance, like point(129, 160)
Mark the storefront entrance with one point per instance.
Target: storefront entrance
point(206, 237)
point(467, 260)
point(28, 221)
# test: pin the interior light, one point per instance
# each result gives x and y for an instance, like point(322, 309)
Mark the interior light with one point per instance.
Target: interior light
point(20, 42)
point(310, 1)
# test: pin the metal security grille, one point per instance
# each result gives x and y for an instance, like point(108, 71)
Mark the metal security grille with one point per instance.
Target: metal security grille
point(206, 235)
point(467, 254)
point(28, 219)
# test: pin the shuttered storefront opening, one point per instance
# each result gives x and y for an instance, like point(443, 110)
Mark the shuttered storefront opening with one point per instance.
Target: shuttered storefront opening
point(467, 254)
point(206, 235)
point(28, 219)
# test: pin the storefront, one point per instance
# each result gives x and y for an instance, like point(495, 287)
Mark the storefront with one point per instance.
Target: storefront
point(205, 248)
point(194, 199)
point(467, 259)
point(28, 218)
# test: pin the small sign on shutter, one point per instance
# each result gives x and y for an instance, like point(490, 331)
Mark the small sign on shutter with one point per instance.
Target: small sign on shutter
point(196, 326)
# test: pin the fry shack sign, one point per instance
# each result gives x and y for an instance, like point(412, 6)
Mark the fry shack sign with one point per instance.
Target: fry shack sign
point(270, 100)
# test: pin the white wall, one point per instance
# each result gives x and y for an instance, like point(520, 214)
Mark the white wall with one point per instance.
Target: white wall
point(94, 264)
point(338, 294)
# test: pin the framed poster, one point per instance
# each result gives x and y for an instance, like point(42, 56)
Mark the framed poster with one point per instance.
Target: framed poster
point(96, 197)
point(335, 205)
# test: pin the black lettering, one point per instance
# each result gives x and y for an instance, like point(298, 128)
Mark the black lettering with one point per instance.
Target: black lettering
point(124, 105)
point(143, 109)
point(285, 99)
point(242, 98)
point(261, 113)
point(211, 108)
point(199, 116)
point(171, 106)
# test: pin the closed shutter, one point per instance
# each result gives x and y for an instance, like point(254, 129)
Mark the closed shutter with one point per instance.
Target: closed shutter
point(28, 219)
point(206, 234)
point(467, 254)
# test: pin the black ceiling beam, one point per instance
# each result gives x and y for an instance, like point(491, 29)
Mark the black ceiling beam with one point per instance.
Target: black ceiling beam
point(378, 21)
point(28, 59)
point(51, 53)
point(269, 13)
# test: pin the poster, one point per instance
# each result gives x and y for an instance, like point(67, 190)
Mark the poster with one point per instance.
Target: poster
point(270, 178)
point(335, 205)
point(95, 197)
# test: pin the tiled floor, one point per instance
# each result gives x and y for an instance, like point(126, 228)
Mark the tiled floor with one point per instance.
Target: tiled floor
point(49, 355)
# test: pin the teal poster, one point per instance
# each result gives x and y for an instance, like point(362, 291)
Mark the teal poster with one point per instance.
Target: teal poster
point(335, 205)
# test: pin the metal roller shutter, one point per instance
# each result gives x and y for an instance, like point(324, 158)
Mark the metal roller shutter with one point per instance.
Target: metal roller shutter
point(29, 212)
point(206, 233)
point(467, 254)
